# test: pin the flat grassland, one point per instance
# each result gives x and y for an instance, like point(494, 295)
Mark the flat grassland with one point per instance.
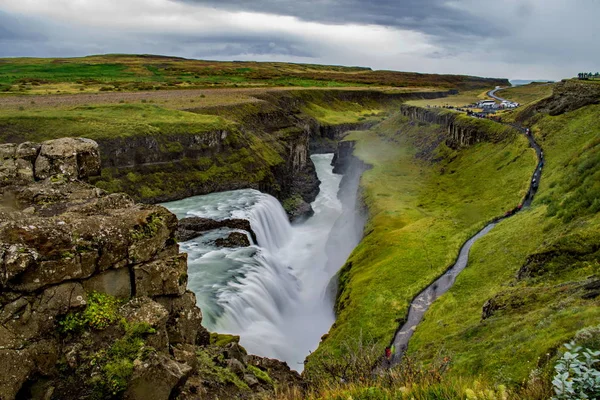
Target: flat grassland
point(126, 95)
point(462, 99)
point(146, 72)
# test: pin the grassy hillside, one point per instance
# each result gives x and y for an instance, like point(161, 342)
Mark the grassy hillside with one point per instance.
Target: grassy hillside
point(146, 72)
point(534, 268)
point(526, 94)
point(532, 284)
point(420, 212)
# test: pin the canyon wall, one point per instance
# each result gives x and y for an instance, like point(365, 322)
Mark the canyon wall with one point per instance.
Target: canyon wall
point(462, 130)
point(267, 147)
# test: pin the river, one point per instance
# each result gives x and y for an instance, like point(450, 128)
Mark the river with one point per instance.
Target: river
point(274, 294)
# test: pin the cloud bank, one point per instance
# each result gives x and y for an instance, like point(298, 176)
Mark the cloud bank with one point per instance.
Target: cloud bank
point(548, 39)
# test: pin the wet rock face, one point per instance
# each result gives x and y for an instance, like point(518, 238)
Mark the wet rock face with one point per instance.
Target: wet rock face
point(192, 227)
point(93, 299)
point(235, 239)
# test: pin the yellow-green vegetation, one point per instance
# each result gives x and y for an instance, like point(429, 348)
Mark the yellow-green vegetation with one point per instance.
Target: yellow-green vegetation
point(245, 167)
point(112, 365)
point(526, 94)
point(148, 229)
point(328, 116)
point(458, 100)
point(261, 375)
point(222, 340)
point(99, 313)
point(116, 363)
point(105, 122)
point(412, 380)
point(107, 73)
point(424, 200)
point(535, 271)
point(292, 203)
point(211, 371)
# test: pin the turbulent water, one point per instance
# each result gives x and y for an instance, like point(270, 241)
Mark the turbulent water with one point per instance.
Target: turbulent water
point(274, 293)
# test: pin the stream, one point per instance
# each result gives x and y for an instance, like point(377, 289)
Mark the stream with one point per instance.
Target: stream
point(273, 294)
point(423, 301)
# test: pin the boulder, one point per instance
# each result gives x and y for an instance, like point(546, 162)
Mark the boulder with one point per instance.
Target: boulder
point(28, 151)
point(8, 151)
point(162, 277)
point(150, 234)
point(155, 378)
point(73, 158)
point(185, 320)
point(18, 366)
point(250, 380)
point(189, 228)
point(115, 282)
point(235, 239)
point(146, 311)
point(30, 318)
point(236, 367)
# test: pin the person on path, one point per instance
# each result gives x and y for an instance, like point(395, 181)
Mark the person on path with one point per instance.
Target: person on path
point(392, 352)
point(387, 363)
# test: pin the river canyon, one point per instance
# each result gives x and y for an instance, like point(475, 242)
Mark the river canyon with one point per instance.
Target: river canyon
point(276, 293)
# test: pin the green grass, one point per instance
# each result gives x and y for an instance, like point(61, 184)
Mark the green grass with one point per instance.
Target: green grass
point(40, 73)
point(557, 239)
point(132, 73)
point(526, 94)
point(327, 116)
point(458, 100)
point(420, 213)
point(104, 122)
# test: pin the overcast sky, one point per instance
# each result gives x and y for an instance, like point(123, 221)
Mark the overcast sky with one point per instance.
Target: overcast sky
point(529, 39)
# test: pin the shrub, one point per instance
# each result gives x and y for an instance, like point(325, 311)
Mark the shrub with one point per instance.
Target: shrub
point(577, 375)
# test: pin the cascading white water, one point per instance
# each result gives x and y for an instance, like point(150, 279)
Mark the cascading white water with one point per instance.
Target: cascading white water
point(273, 294)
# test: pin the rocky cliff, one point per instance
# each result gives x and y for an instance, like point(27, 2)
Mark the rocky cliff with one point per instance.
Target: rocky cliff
point(93, 299)
point(463, 131)
point(568, 95)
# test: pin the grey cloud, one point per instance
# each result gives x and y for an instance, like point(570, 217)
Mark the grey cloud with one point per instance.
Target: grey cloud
point(222, 44)
point(433, 17)
point(15, 28)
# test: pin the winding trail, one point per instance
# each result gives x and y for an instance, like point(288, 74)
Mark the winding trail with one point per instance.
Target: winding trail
point(421, 303)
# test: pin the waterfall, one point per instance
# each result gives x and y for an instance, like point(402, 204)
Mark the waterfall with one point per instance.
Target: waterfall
point(270, 223)
point(273, 293)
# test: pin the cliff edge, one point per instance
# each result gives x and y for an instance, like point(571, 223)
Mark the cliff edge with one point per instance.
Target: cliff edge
point(93, 299)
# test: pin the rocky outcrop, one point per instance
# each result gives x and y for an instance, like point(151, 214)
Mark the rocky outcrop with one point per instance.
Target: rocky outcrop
point(330, 135)
point(93, 299)
point(189, 228)
point(66, 158)
point(235, 239)
point(568, 95)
